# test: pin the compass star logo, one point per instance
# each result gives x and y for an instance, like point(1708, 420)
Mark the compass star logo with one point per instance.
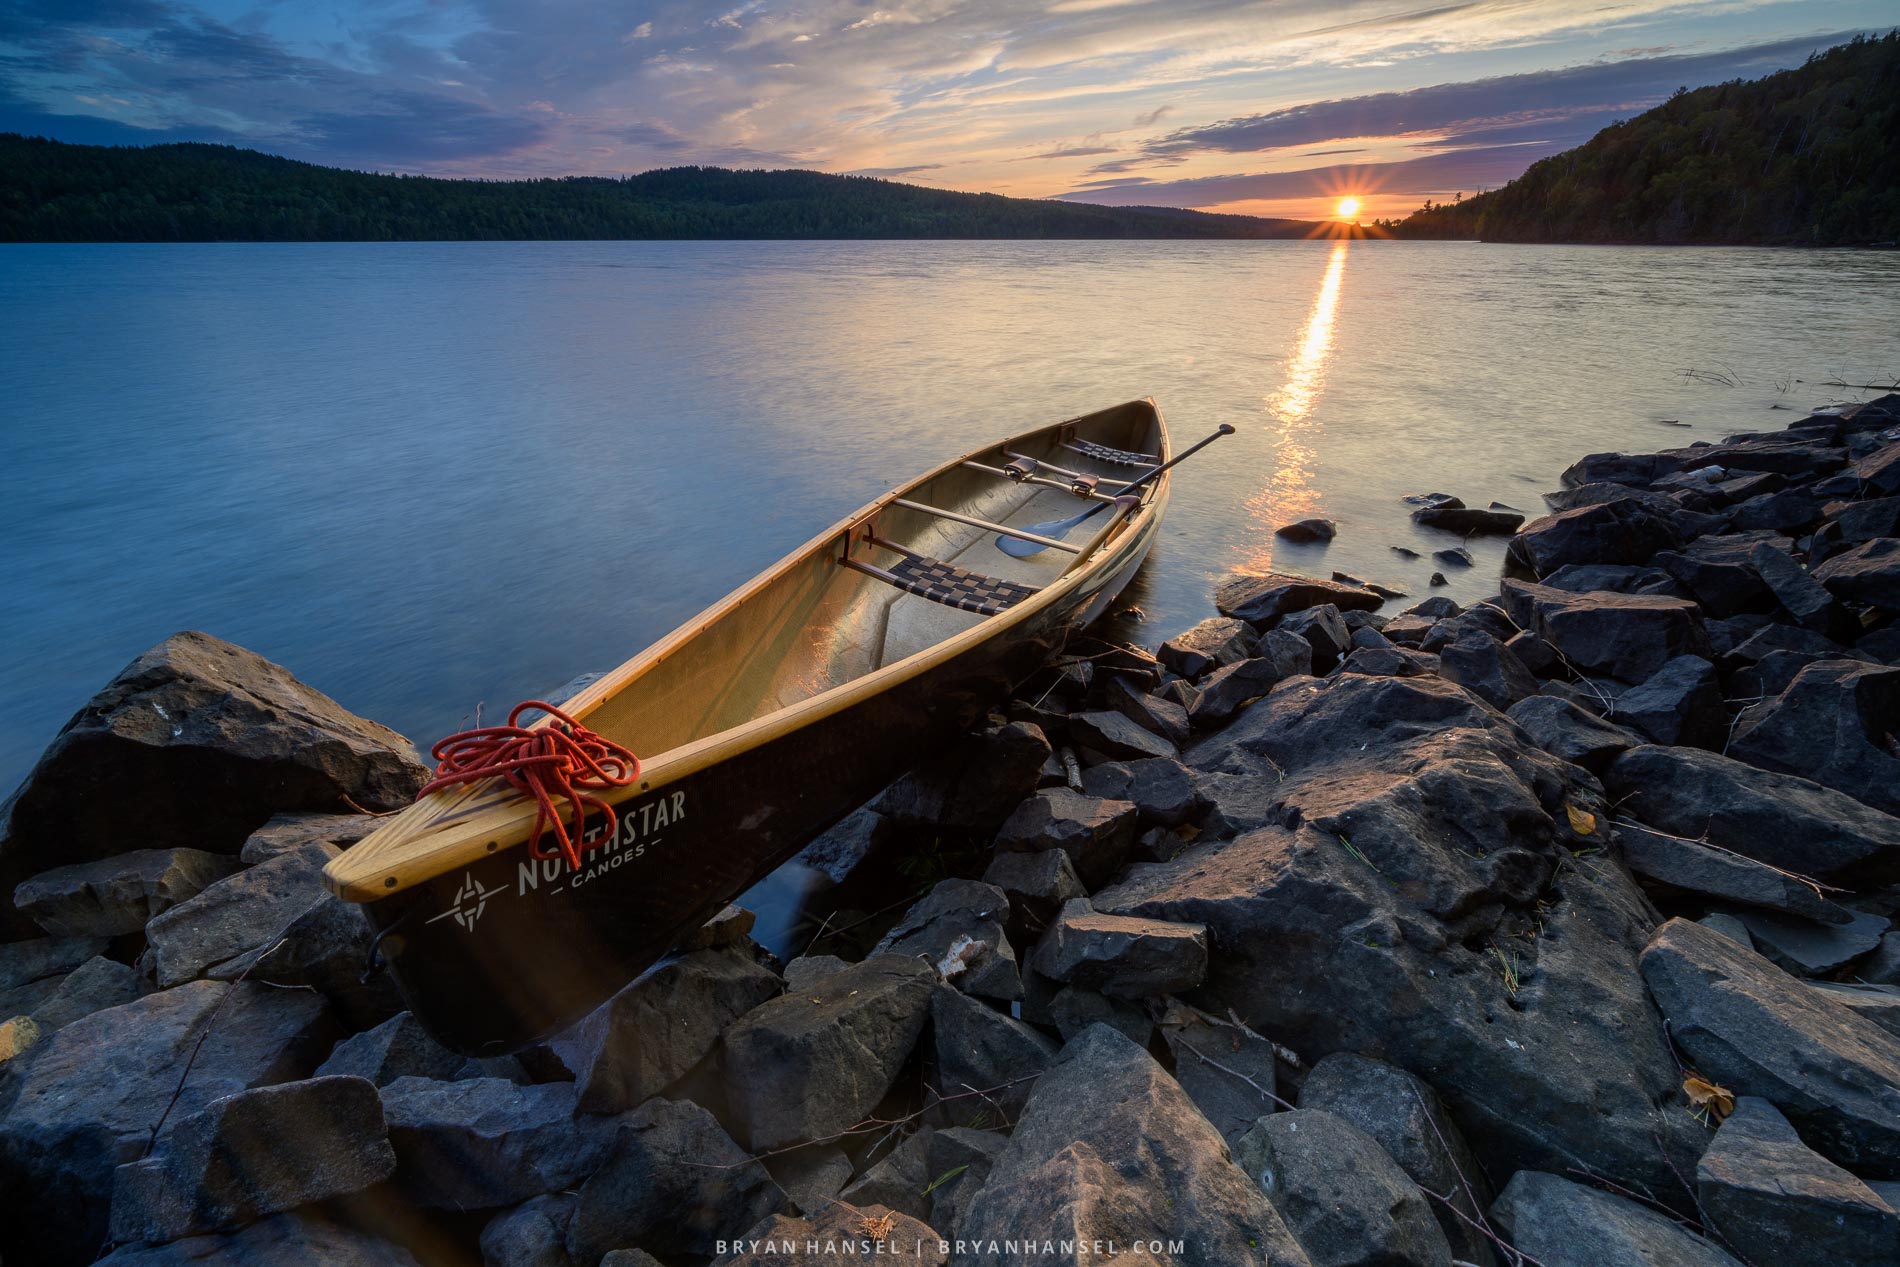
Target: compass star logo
point(471, 899)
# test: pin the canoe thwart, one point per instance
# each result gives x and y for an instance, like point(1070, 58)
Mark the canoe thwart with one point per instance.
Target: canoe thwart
point(1000, 529)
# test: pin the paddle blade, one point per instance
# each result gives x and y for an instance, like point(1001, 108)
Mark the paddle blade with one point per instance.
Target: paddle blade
point(1018, 548)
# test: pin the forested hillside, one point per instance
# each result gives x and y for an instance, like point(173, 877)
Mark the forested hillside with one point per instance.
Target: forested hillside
point(54, 192)
point(1807, 157)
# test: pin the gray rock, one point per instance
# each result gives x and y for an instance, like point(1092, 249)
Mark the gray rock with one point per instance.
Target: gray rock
point(1883, 966)
point(1564, 1224)
point(897, 1180)
point(1307, 531)
point(1729, 927)
point(117, 895)
point(970, 785)
point(533, 1234)
point(85, 1103)
point(242, 912)
point(1868, 574)
point(1124, 957)
point(1808, 949)
point(1324, 630)
point(1777, 1201)
point(1261, 599)
point(849, 843)
point(811, 1177)
point(1110, 1148)
point(674, 1183)
point(1681, 703)
point(1112, 736)
point(94, 986)
point(986, 1063)
point(1624, 636)
point(1569, 733)
point(1877, 1003)
point(1800, 595)
point(1347, 1202)
point(804, 971)
point(1469, 521)
point(1160, 788)
point(195, 744)
point(326, 948)
point(398, 1048)
point(284, 1239)
point(1234, 685)
point(1037, 885)
point(1073, 1010)
point(1680, 863)
point(254, 1154)
point(1749, 1026)
point(1096, 834)
point(1156, 713)
point(1216, 641)
point(486, 1142)
point(959, 1161)
point(1226, 1069)
point(23, 963)
point(1407, 1119)
point(958, 930)
point(646, 1037)
point(805, 1066)
point(1622, 531)
point(1487, 668)
point(1824, 727)
point(287, 833)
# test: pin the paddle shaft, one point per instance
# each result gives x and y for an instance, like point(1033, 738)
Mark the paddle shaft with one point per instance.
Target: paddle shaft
point(1225, 430)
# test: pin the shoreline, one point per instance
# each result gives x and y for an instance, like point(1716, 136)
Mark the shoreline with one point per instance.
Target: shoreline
point(1549, 912)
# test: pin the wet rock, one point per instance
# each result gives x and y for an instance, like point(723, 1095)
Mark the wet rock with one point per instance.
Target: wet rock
point(1637, 469)
point(958, 930)
point(811, 1177)
point(1154, 713)
point(986, 1060)
point(1406, 1118)
point(1037, 885)
point(533, 1234)
point(398, 1048)
point(1111, 1148)
point(1307, 530)
point(1438, 579)
point(782, 1241)
point(1226, 1069)
point(1160, 788)
point(1749, 1026)
point(1569, 733)
point(1466, 521)
point(1488, 669)
point(1457, 557)
point(285, 1238)
point(1216, 641)
point(117, 895)
point(1778, 1201)
point(94, 986)
point(807, 1065)
point(1811, 949)
point(1564, 1224)
point(195, 745)
point(1680, 863)
point(1833, 724)
point(487, 1142)
point(1681, 703)
point(1261, 599)
point(239, 913)
point(1096, 834)
point(85, 1103)
point(1112, 736)
point(1325, 632)
point(1623, 531)
point(1624, 636)
point(970, 786)
point(1346, 1201)
point(1778, 819)
point(958, 1163)
point(286, 833)
point(673, 1183)
point(1121, 956)
point(898, 1179)
point(254, 1154)
point(653, 1031)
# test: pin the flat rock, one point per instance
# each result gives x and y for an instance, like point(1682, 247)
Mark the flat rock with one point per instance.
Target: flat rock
point(93, 986)
point(1681, 703)
point(1625, 530)
point(1624, 636)
point(1216, 641)
point(958, 929)
point(1226, 1069)
point(1260, 600)
point(1110, 1148)
point(1468, 521)
point(285, 833)
point(1694, 867)
point(1811, 949)
point(1832, 725)
point(1121, 956)
point(1570, 733)
point(239, 913)
point(23, 963)
point(1113, 736)
point(1877, 1003)
point(1346, 1201)
point(1037, 884)
point(674, 1183)
point(398, 1048)
point(1565, 1224)
point(806, 1065)
point(1868, 574)
point(646, 1037)
point(484, 1143)
point(1750, 1027)
point(1096, 834)
point(1778, 1201)
point(286, 1238)
point(117, 895)
point(1160, 788)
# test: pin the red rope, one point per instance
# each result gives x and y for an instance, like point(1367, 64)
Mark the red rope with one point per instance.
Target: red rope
point(566, 760)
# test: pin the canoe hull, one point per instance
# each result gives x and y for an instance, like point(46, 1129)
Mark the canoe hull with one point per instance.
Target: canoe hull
point(496, 955)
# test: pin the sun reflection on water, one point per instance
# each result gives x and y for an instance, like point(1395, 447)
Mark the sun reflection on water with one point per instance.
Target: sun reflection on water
point(1289, 493)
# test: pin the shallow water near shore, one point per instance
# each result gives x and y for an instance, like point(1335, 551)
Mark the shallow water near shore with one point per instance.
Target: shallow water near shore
point(427, 476)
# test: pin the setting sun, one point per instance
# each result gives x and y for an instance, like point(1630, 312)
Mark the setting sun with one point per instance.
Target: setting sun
point(1348, 208)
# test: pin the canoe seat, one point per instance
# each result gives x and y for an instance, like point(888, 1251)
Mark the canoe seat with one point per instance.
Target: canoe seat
point(953, 587)
point(1114, 457)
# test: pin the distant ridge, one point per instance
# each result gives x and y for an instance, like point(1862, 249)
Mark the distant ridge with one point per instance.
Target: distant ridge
point(51, 191)
point(1803, 157)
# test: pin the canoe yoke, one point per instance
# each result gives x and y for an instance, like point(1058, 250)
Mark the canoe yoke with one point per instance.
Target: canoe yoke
point(944, 583)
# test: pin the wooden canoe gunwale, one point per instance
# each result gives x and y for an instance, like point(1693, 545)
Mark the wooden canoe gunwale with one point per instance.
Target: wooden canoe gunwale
point(460, 826)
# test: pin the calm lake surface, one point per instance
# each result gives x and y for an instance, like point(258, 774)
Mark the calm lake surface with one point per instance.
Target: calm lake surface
point(425, 476)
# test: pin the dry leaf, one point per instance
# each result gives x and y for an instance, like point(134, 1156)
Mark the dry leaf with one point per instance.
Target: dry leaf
point(1719, 1101)
point(876, 1228)
point(1582, 821)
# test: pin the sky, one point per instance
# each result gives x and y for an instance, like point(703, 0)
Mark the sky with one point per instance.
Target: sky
point(1268, 107)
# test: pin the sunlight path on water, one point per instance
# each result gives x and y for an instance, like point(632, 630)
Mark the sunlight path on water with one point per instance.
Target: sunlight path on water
point(1289, 493)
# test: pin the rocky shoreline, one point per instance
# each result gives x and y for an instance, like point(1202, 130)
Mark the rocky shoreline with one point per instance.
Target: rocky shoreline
point(1555, 929)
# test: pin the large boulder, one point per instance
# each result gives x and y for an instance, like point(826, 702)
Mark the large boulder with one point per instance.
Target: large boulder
point(1834, 724)
point(1778, 819)
point(1110, 1148)
point(1260, 600)
point(483, 1143)
point(118, 894)
point(1778, 1201)
point(1751, 1027)
point(1681, 703)
point(636, 1044)
point(242, 912)
point(673, 1183)
point(1430, 882)
point(1346, 1200)
point(93, 1093)
point(1562, 1224)
point(195, 745)
point(1625, 531)
point(809, 1064)
point(1624, 636)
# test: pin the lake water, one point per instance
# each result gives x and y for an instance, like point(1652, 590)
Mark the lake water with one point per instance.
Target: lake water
point(430, 475)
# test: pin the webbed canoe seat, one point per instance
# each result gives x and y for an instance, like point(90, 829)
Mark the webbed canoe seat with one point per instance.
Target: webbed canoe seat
point(1114, 457)
point(944, 583)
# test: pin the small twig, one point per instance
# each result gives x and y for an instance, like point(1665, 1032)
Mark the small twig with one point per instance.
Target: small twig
point(373, 813)
point(211, 1023)
point(1820, 889)
point(1516, 1255)
point(1235, 1073)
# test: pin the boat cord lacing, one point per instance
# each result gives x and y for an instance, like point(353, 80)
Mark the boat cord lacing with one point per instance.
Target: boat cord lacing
point(562, 760)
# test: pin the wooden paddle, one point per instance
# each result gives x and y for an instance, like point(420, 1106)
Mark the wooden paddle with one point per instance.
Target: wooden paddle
point(1058, 527)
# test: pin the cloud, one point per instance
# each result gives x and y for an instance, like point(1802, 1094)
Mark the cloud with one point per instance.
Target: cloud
point(892, 173)
point(1467, 170)
point(1153, 116)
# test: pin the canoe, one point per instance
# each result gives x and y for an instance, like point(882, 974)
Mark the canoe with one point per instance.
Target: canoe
point(759, 723)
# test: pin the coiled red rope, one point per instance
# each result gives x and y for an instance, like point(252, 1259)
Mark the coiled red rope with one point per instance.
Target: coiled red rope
point(565, 761)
